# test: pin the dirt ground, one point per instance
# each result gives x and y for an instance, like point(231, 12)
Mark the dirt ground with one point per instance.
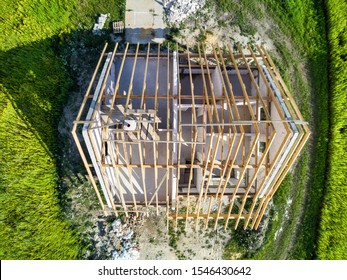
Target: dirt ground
point(156, 242)
point(212, 27)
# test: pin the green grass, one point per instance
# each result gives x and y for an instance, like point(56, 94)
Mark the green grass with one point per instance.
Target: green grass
point(85, 12)
point(26, 21)
point(34, 83)
point(241, 11)
point(332, 242)
point(306, 22)
point(300, 24)
point(308, 25)
point(30, 219)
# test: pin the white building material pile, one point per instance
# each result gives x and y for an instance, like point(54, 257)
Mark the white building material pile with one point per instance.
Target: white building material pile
point(113, 240)
point(100, 24)
point(128, 249)
point(178, 10)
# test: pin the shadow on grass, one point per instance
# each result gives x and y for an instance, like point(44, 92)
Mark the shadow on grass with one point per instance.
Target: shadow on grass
point(38, 76)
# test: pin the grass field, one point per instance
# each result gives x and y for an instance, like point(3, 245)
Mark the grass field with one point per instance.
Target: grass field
point(34, 83)
point(332, 241)
point(298, 32)
point(306, 22)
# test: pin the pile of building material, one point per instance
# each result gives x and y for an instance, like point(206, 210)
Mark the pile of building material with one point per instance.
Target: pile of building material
point(118, 27)
point(128, 249)
point(100, 24)
point(113, 239)
point(178, 10)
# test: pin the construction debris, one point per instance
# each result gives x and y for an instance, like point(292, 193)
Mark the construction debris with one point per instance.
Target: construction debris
point(113, 239)
point(118, 27)
point(128, 249)
point(178, 10)
point(100, 24)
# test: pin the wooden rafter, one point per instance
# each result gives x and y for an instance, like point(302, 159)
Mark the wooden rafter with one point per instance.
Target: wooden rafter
point(225, 129)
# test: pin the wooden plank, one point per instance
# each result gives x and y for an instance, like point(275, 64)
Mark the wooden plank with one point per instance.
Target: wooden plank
point(260, 97)
point(210, 115)
point(281, 83)
point(182, 165)
point(85, 162)
point(157, 188)
point(128, 148)
point(102, 170)
point(269, 170)
point(77, 122)
point(142, 153)
point(168, 132)
point(212, 160)
point(143, 171)
point(130, 88)
point(245, 94)
point(194, 136)
point(269, 142)
point(114, 153)
point(183, 97)
point(262, 159)
point(273, 98)
point(144, 86)
point(115, 93)
point(288, 98)
point(180, 138)
point(230, 144)
point(297, 149)
point(122, 134)
point(102, 90)
point(86, 96)
point(210, 216)
point(155, 127)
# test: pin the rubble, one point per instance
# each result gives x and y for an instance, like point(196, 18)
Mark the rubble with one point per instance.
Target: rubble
point(113, 240)
point(178, 10)
point(128, 249)
point(100, 24)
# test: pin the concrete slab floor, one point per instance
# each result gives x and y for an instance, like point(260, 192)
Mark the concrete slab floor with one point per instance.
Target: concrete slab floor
point(144, 21)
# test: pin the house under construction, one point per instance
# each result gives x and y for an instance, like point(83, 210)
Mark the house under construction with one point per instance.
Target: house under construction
point(196, 135)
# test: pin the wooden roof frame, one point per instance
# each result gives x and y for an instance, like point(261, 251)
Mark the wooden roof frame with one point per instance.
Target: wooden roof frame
point(109, 149)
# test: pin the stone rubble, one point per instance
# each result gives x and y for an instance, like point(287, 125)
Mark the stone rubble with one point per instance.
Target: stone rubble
point(128, 249)
point(100, 24)
point(178, 10)
point(113, 240)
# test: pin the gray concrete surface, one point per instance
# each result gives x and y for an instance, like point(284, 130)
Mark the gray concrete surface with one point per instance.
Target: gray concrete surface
point(144, 21)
